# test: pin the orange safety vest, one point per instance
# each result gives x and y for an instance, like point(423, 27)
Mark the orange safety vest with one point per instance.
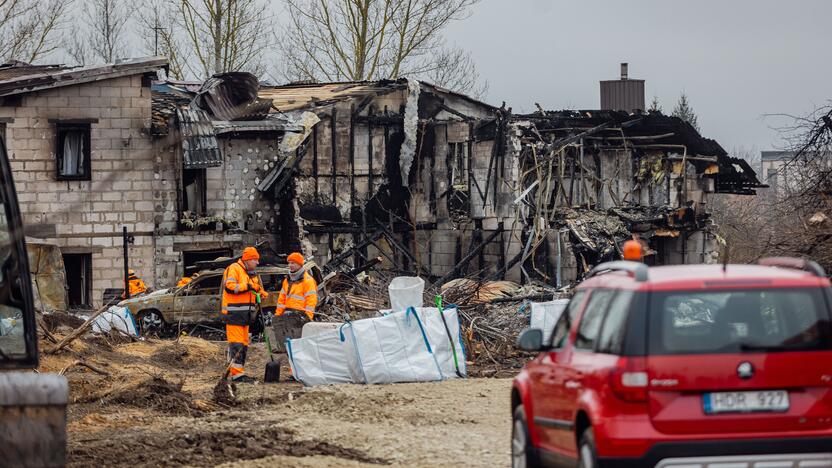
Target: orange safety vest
point(135, 286)
point(238, 294)
point(299, 295)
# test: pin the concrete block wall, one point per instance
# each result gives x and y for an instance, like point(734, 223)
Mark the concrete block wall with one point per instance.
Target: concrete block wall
point(232, 188)
point(88, 215)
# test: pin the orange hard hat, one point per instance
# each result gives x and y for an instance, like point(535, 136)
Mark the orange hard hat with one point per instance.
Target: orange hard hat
point(250, 253)
point(295, 257)
point(632, 250)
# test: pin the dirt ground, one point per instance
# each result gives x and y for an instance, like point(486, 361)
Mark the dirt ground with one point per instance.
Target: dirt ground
point(155, 408)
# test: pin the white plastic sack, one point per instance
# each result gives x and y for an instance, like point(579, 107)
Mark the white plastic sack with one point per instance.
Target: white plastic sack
point(118, 318)
point(321, 359)
point(446, 344)
point(394, 348)
point(405, 291)
point(406, 346)
point(544, 315)
point(11, 326)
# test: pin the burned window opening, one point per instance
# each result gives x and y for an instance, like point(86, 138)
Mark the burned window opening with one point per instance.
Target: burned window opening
point(459, 165)
point(72, 152)
point(286, 229)
point(195, 189)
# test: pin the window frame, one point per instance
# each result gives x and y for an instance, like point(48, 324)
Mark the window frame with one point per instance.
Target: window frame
point(565, 316)
point(628, 308)
point(582, 318)
point(61, 128)
point(86, 259)
point(201, 179)
point(194, 285)
point(656, 322)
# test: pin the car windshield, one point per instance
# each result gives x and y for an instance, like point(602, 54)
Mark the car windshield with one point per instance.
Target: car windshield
point(763, 320)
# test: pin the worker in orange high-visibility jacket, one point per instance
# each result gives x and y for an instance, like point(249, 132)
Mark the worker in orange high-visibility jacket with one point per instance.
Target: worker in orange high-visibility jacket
point(239, 299)
point(187, 279)
point(135, 284)
point(299, 291)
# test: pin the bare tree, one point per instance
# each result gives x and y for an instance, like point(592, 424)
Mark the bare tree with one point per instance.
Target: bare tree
point(454, 68)
point(105, 38)
point(371, 39)
point(223, 35)
point(161, 35)
point(795, 220)
point(29, 29)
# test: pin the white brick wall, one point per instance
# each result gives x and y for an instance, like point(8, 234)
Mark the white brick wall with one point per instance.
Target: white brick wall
point(89, 214)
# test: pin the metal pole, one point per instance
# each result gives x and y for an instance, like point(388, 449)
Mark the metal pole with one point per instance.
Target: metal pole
point(560, 253)
point(126, 263)
point(581, 186)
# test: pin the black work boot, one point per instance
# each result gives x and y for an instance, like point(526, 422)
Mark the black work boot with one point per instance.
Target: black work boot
point(244, 379)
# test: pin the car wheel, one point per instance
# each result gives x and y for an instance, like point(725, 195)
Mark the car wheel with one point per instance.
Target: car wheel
point(522, 452)
point(587, 455)
point(151, 322)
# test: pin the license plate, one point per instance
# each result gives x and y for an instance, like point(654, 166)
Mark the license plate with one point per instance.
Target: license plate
point(745, 402)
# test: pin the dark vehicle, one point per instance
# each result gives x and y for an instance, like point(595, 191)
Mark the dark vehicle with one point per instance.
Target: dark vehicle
point(32, 405)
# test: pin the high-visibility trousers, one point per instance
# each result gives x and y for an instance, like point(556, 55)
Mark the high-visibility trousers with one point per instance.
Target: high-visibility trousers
point(237, 336)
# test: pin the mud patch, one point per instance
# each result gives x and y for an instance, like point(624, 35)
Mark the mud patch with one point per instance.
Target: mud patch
point(187, 353)
point(57, 319)
point(225, 393)
point(205, 448)
point(158, 394)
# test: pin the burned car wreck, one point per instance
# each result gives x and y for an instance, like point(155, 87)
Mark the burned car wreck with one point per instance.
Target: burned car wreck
point(196, 304)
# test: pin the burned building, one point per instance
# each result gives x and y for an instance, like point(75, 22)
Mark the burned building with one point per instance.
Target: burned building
point(439, 184)
point(591, 179)
point(429, 181)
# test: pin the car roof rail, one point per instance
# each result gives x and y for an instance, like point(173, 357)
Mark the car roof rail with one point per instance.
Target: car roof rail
point(794, 263)
point(637, 270)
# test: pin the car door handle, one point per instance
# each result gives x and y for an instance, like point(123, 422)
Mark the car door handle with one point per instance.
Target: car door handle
point(572, 384)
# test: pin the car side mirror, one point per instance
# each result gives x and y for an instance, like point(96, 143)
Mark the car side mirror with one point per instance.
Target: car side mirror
point(531, 339)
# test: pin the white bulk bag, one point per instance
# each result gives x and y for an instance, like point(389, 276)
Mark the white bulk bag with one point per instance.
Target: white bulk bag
point(446, 344)
point(321, 359)
point(405, 346)
point(544, 315)
point(405, 291)
point(394, 348)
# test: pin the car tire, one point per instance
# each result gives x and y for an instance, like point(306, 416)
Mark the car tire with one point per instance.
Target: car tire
point(587, 454)
point(523, 454)
point(150, 322)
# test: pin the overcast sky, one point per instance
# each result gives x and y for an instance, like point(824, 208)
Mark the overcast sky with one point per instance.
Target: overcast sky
point(736, 59)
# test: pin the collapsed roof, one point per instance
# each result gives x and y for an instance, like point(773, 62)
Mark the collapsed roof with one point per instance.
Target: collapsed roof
point(648, 131)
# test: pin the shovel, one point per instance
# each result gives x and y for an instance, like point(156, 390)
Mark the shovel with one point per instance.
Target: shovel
point(272, 367)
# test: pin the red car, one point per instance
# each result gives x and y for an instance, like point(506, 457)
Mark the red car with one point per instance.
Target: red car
point(682, 366)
